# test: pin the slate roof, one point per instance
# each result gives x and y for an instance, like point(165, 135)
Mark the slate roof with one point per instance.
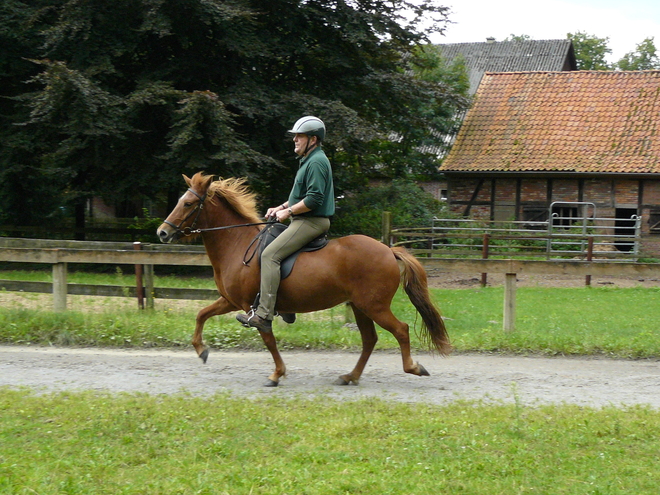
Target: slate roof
point(511, 56)
point(576, 122)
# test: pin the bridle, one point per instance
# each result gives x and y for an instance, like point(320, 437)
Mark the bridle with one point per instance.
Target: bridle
point(188, 231)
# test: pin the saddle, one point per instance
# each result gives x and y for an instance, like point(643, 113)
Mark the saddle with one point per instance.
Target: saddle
point(272, 231)
point(263, 239)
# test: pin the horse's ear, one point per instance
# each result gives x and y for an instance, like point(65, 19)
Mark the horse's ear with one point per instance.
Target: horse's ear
point(187, 179)
point(207, 181)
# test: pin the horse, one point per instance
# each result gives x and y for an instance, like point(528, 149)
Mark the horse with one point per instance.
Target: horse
point(355, 269)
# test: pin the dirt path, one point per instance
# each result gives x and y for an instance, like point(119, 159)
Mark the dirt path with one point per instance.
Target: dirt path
point(530, 380)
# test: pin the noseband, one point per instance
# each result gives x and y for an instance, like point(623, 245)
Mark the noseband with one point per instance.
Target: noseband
point(186, 231)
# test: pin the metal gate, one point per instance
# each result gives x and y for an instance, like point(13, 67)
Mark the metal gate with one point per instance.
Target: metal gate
point(572, 229)
point(571, 224)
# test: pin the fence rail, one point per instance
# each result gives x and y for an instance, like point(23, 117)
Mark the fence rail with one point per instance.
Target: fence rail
point(108, 290)
point(99, 233)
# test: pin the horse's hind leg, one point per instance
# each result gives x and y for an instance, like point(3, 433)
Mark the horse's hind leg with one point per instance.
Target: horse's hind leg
point(369, 339)
point(219, 307)
point(401, 332)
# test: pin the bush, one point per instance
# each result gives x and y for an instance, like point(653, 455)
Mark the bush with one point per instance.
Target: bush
point(409, 204)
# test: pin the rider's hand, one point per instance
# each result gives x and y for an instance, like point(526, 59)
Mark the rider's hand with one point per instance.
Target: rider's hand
point(272, 212)
point(282, 215)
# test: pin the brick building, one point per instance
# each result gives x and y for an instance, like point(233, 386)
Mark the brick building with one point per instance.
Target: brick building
point(535, 138)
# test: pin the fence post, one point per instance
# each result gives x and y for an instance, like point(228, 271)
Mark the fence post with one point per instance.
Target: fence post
point(509, 302)
point(149, 285)
point(484, 256)
point(139, 289)
point(387, 228)
point(59, 287)
point(590, 255)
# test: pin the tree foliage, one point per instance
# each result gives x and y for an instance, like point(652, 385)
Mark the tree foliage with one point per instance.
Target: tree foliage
point(117, 99)
point(644, 57)
point(518, 37)
point(590, 51)
point(408, 203)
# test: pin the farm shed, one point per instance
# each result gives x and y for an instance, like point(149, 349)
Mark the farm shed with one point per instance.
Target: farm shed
point(535, 138)
point(502, 56)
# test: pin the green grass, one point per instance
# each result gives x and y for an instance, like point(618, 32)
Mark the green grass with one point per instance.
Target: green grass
point(581, 321)
point(88, 443)
point(617, 322)
point(91, 443)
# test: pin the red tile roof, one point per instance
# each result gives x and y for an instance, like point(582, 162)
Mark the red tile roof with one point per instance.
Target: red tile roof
point(581, 122)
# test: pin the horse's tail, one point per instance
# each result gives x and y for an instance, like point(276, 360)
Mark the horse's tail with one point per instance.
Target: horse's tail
point(413, 277)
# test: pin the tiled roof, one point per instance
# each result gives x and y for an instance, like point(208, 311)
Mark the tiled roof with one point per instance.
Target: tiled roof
point(580, 122)
point(511, 56)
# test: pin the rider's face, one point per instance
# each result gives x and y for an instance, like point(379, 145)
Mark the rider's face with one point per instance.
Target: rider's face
point(300, 142)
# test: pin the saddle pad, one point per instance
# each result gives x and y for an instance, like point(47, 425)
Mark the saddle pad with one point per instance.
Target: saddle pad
point(271, 232)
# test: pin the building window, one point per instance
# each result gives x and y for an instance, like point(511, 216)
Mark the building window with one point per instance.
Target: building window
point(564, 216)
point(654, 221)
point(535, 214)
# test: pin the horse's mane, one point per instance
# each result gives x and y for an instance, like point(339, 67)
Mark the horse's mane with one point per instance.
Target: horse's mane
point(238, 195)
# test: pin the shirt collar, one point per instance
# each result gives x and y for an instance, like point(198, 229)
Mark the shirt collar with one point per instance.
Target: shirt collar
point(303, 159)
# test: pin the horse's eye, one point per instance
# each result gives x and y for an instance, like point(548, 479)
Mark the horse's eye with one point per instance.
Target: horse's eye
point(187, 204)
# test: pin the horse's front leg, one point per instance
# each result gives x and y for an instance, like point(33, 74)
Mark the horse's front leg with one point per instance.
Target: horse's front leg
point(280, 368)
point(220, 307)
point(369, 339)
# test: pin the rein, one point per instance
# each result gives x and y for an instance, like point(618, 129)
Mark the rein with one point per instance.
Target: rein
point(199, 231)
point(188, 231)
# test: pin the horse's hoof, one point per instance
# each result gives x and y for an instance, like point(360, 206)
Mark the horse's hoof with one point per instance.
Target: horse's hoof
point(204, 355)
point(422, 370)
point(271, 383)
point(345, 381)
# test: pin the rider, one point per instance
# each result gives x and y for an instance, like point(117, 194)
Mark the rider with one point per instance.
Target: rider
point(310, 205)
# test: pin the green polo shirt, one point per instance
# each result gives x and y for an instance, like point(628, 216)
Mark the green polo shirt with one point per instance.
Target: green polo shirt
point(314, 185)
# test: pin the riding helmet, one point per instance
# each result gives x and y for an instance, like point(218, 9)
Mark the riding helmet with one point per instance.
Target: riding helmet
point(310, 125)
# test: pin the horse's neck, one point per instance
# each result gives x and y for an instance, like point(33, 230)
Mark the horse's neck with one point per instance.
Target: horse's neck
point(227, 248)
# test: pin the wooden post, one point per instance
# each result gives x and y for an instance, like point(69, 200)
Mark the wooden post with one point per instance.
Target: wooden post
point(59, 287)
point(387, 228)
point(139, 289)
point(149, 285)
point(484, 256)
point(590, 255)
point(510, 302)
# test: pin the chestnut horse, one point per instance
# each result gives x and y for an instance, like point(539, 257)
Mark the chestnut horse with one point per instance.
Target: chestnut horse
point(355, 269)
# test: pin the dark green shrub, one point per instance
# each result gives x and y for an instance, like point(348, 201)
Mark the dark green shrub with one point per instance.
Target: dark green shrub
point(408, 203)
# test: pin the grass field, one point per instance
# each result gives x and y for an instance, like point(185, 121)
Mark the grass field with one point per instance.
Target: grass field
point(90, 443)
point(86, 443)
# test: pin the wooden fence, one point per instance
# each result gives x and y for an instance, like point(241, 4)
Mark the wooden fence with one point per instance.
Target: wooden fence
point(96, 232)
point(46, 252)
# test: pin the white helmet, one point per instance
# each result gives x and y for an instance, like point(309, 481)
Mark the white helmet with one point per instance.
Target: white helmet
point(310, 125)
